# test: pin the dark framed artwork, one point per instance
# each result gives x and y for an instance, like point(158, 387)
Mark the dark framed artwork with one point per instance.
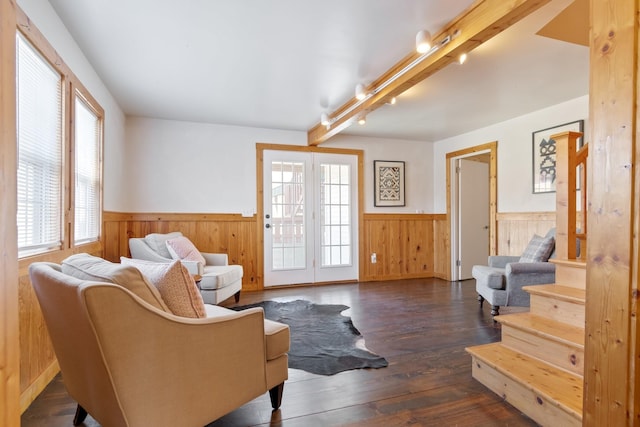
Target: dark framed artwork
point(388, 186)
point(544, 155)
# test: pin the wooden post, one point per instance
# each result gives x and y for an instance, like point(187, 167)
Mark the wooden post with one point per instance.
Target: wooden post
point(566, 194)
point(9, 343)
point(611, 346)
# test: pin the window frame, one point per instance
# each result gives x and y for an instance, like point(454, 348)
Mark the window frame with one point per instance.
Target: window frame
point(71, 87)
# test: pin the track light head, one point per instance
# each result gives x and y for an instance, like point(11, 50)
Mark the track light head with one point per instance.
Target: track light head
point(423, 41)
point(360, 92)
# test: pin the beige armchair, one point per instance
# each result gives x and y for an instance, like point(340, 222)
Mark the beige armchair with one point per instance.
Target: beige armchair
point(217, 279)
point(129, 363)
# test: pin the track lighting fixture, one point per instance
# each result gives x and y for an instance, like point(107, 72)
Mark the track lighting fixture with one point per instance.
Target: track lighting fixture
point(423, 41)
point(360, 93)
point(424, 46)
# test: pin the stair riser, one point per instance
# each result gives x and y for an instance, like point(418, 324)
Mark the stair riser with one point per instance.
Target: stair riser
point(536, 407)
point(574, 277)
point(561, 311)
point(553, 352)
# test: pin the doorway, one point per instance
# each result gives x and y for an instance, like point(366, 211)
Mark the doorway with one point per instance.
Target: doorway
point(310, 217)
point(471, 207)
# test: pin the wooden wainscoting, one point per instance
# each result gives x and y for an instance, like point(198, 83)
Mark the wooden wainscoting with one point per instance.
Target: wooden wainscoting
point(403, 243)
point(441, 247)
point(232, 234)
point(38, 364)
point(516, 229)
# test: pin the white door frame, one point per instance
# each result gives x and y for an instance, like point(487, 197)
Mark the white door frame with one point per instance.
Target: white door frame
point(260, 148)
point(492, 149)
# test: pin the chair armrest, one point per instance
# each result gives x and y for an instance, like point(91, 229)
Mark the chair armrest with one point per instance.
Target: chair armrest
point(501, 261)
point(530, 268)
point(193, 267)
point(209, 366)
point(215, 259)
point(520, 274)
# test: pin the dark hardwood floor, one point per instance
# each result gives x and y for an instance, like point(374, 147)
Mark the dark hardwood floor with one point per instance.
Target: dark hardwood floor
point(420, 326)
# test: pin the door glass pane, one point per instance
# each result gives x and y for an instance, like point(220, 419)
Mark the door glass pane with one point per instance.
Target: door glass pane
point(287, 209)
point(335, 203)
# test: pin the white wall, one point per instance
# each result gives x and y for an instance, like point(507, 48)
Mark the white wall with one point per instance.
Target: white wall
point(174, 166)
point(418, 158)
point(47, 21)
point(514, 156)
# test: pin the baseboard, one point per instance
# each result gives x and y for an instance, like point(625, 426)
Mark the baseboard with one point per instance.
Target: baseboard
point(36, 387)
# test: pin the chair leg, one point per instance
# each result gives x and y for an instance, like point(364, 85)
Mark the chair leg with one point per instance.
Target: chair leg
point(276, 396)
point(237, 296)
point(81, 415)
point(480, 300)
point(495, 310)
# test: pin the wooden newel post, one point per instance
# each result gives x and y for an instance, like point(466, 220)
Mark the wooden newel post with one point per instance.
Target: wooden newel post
point(566, 193)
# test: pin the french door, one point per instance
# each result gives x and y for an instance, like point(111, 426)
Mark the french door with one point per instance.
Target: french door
point(310, 217)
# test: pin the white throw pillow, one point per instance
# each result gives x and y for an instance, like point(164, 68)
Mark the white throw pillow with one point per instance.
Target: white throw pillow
point(157, 242)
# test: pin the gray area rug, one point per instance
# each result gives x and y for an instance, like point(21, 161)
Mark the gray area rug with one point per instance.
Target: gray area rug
point(323, 341)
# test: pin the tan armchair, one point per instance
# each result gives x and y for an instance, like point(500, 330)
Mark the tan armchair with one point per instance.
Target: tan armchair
point(129, 363)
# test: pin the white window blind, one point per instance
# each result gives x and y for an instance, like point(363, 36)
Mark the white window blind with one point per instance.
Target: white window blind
point(87, 173)
point(39, 123)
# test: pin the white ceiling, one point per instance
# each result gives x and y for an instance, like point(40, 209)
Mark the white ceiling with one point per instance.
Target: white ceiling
point(281, 63)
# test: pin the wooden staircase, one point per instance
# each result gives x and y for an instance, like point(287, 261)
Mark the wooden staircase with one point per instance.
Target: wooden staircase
point(538, 366)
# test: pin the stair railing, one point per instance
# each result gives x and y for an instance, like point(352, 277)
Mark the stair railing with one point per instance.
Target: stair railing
point(570, 163)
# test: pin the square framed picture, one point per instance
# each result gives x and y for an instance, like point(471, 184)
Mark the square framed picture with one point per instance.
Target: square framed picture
point(544, 155)
point(388, 183)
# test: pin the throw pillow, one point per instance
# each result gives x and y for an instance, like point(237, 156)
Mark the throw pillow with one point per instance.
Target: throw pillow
point(539, 249)
point(95, 269)
point(183, 249)
point(157, 242)
point(176, 285)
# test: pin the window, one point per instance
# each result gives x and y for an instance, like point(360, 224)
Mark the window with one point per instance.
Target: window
point(40, 147)
point(59, 134)
point(87, 172)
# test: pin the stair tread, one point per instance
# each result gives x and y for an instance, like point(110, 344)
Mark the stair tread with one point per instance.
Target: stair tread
point(545, 327)
point(558, 291)
point(575, 263)
point(556, 385)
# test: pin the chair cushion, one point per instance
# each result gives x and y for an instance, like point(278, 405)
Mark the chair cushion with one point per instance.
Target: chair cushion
point(276, 333)
point(491, 277)
point(220, 276)
point(157, 242)
point(539, 249)
point(176, 285)
point(183, 249)
point(95, 269)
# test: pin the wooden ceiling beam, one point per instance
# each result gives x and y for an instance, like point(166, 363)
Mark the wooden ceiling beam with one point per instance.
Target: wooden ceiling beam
point(483, 20)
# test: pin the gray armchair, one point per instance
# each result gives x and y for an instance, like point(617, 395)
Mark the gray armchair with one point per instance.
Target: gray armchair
point(217, 280)
point(500, 283)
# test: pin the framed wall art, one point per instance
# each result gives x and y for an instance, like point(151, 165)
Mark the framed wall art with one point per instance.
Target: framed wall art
point(544, 155)
point(388, 183)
